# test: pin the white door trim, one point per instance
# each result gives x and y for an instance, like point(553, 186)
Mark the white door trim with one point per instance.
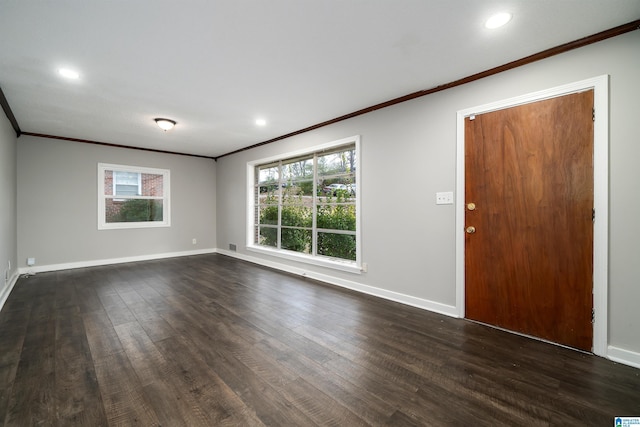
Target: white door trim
point(600, 85)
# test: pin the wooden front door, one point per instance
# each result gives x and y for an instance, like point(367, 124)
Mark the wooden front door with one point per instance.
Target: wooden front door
point(528, 217)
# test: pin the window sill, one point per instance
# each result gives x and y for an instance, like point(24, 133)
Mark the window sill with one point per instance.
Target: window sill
point(130, 225)
point(333, 263)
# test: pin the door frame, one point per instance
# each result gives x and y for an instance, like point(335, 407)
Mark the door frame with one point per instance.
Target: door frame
point(600, 86)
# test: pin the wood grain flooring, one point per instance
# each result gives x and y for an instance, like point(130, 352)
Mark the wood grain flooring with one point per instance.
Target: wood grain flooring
point(213, 341)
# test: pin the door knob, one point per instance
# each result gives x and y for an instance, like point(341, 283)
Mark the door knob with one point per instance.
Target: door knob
point(471, 230)
point(471, 206)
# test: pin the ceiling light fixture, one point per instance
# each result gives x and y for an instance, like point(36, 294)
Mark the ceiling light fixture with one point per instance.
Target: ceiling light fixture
point(261, 122)
point(68, 73)
point(498, 20)
point(165, 124)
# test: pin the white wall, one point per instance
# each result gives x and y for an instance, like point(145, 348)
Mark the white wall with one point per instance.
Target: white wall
point(409, 153)
point(57, 205)
point(8, 213)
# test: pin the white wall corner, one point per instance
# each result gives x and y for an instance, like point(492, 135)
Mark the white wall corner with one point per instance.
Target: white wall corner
point(424, 304)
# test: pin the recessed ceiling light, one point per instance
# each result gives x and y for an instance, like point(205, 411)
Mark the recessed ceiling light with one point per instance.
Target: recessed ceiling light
point(69, 73)
point(498, 20)
point(261, 122)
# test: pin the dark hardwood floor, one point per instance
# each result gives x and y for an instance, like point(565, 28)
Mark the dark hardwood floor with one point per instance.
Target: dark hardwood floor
point(213, 341)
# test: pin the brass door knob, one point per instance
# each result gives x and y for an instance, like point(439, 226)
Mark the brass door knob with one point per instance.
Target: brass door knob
point(471, 230)
point(471, 206)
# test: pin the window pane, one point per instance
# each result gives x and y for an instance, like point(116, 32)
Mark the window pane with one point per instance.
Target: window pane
point(126, 178)
point(270, 190)
point(343, 187)
point(306, 188)
point(295, 239)
point(298, 188)
point(268, 236)
point(352, 188)
point(152, 185)
point(108, 182)
point(268, 175)
point(126, 190)
point(268, 215)
point(337, 245)
point(126, 183)
point(297, 215)
point(337, 217)
point(268, 199)
point(133, 210)
point(298, 169)
point(337, 163)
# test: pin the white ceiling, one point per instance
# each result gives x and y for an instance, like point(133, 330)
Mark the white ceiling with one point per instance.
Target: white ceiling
point(215, 66)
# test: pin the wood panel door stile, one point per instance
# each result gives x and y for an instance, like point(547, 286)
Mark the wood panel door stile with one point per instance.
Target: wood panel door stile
point(529, 263)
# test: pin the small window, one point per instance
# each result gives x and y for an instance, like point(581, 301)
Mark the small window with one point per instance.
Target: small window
point(132, 197)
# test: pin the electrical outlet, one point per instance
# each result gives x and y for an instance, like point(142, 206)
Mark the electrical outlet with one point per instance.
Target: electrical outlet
point(31, 261)
point(194, 241)
point(444, 198)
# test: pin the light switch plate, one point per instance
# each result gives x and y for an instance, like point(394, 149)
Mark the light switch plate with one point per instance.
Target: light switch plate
point(444, 198)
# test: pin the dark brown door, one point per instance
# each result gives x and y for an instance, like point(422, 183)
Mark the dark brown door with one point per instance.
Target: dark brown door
point(529, 253)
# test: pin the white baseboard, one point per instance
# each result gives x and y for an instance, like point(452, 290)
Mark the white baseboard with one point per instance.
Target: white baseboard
point(626, 357)
point(370, 290)
point(98, 262)
point(7, 290)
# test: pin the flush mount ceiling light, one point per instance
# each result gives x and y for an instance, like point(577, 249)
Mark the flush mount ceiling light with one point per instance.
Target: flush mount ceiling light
point(261, 122)
point(498, 20)
point(165, 124)
point(69, 73)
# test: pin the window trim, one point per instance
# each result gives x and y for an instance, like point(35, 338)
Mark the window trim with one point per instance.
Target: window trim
point(102, 197)
point(334, 263)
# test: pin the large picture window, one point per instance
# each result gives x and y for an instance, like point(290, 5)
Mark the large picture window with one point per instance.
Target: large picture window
point(132, 197)
point(306, 204)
